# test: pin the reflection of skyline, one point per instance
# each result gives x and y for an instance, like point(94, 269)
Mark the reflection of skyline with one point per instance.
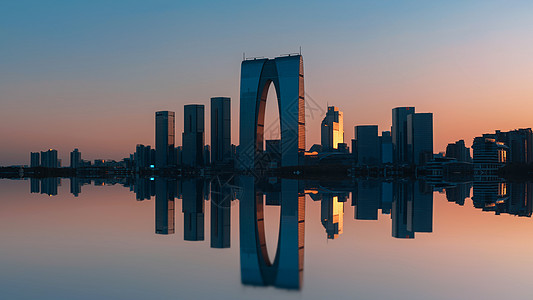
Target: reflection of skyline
point(409, 203)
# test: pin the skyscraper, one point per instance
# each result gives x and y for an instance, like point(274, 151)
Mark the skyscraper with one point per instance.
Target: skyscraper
point(193, 135)
point(459, 151)
point(387, 152)
point(257, 75)
point(49, 159)
point(399, 133)
point(520, 143)
point(220, 130)
point(35, 159)
point(420, 138)
point(332, 130)
point(367, 152)
point(75, 158)
point(164, 138)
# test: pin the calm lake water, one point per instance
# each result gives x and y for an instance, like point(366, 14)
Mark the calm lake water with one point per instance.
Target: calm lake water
point(279, 238)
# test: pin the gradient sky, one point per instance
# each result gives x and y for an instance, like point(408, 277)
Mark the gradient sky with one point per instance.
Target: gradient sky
point(91, 74)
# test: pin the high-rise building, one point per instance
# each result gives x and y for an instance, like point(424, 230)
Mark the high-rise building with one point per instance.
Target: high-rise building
point(459, 151)
point(387, 152)
point(35, 159)
point(75, 158)
point(399, 133)
point(367, 143)
point(49, 159)
point(520, 143)
point(332, 130)
point(420, 138)
point(220, 130)
point(164, 139)
point(193, 135)
point(143, 157)
point(488, 154)
point(75, 186)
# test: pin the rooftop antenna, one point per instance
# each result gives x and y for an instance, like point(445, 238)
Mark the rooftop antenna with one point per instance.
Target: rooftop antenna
point(300, 50)
point(243, 56)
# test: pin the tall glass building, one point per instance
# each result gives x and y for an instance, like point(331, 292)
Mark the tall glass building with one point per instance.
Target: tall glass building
point(399, 133)
point(332, 129)
point(164, 138)
point(193, 135)
point(220, 129)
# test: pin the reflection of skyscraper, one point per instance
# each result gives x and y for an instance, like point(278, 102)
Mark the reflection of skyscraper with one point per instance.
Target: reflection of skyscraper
point(257, 267)
point(164, 138)
point(220, 215)
point(412, 209)
point(193, 209)
point(420, 208)
point(144, 188)
point(520, 203)
point(402, 192)
point(366, 198)
point(35, 185)
point(49, 185)
point(193, 135)
point(332, 215)
point(458, 193)
point(75, 186)
point(220, 130)
point(164, 206)
point(332, 130)
point(386, 197)
point(399, 133)
point(420, 138)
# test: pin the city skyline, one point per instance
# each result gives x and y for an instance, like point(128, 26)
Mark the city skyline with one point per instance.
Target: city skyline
point(467, 63)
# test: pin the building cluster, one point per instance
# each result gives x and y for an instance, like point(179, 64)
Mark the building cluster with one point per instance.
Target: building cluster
point(408, 142)
point(49, 159)
point(194, 153)
point(500, 197)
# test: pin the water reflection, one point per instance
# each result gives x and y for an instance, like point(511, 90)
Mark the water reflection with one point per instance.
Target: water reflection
point(407, 203)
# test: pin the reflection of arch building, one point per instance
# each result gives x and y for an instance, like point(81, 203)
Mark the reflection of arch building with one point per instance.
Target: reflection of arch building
point(286, 269)
point(256, 76)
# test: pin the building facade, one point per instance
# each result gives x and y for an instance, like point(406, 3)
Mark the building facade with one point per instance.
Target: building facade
point(75, 159)
point(420, 138)
point(332, 130)
point(367, 143)
point(193, 136)
point(286, 73)
point(220, 130)
point(164, 138)
point(399, 133)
